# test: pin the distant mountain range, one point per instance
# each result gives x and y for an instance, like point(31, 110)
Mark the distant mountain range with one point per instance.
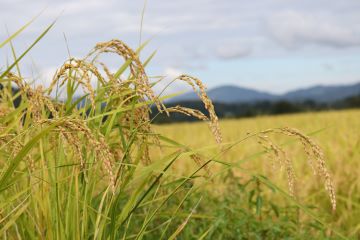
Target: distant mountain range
point(234, 94)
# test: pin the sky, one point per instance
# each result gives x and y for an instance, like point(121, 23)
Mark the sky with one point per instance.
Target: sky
point(268, 45)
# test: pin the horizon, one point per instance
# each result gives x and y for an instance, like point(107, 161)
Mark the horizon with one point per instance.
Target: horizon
point(277, 46)
point(295, 89)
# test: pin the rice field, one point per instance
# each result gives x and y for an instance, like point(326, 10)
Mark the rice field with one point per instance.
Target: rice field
point(337, 133)
point(80, 160)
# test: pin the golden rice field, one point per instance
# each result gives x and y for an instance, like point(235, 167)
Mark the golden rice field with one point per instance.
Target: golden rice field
point(94, 166)
point(337, 133)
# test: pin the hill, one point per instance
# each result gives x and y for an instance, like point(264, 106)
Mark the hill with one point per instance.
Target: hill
point(235, 94)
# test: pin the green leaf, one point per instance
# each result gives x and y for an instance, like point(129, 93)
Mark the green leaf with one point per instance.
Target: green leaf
point(13, 218)
point(259, 203)
point(27, 50)
point(18, 31)
point(25, 150)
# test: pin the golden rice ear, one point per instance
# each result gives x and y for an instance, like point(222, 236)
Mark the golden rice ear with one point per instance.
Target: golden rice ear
point(136, 67)
point(85, 71)
point(201, 91)
point(141, 119)
point(13, 146)
point(312, 150)
point(110, 76)
point(200, 162)
point(4, 110)
point(21, 84)
point(189, 112)
point(70, 128)
point(282, 159)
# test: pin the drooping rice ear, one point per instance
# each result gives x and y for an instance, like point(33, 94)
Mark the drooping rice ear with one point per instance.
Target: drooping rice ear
point(189, 112)
point(200, 162)
point(84, 70)
point(70, 128)
point(282, 158)
point(136, 67)
point(312, 150)
point(201, 91)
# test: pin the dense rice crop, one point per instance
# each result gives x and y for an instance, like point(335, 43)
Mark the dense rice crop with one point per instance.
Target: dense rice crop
point(337, 132)
point(87, 164)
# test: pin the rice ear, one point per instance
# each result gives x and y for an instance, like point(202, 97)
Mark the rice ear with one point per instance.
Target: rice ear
point(201, 91)
point(136, 67)
point(189, 112)
point(312, 150)
point(85, 71)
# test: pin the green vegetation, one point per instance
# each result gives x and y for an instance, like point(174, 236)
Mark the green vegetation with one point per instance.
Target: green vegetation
point(93, 167)
point(261, 108)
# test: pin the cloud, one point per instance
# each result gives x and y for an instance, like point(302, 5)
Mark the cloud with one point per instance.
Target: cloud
point(328, 66)
point(168, 86)
point(46, 75)
point(232, 51)
point(172, 72)
point(294, 29)
point(190, 35)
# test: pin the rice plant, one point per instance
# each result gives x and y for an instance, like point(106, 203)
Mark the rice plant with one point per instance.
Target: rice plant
point(77, 161)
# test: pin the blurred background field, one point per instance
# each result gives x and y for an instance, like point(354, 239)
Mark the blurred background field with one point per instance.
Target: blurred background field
point(337, 132)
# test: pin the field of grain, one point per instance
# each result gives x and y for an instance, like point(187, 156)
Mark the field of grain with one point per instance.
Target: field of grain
point(338, 134)
point(80, 160)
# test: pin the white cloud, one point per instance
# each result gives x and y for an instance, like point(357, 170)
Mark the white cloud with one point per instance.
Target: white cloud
point(46, 75)
point(232, 51)
point(168, 86)
point(294, 29)
point(189, 34)
point(172, 73)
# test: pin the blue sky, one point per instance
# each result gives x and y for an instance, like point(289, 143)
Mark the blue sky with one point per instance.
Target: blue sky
point(271, 45)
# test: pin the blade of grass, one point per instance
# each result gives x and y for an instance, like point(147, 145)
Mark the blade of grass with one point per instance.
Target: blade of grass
point(16, 160)
point(19, 31)
point(27, 50)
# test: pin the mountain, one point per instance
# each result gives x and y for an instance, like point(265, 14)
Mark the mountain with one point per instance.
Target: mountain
point(323, 93)
point(234, 94)
point(228, 94)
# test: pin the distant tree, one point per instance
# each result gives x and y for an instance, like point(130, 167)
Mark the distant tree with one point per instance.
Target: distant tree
point(282, 107)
